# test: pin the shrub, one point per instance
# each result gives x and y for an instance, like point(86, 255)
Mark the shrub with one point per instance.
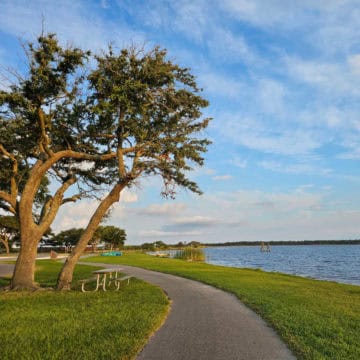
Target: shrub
point(190, 254)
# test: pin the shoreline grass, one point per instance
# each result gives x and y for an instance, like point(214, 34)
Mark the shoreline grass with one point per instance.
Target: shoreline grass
point(317, 319)
point(190, 254)
point(74, 325)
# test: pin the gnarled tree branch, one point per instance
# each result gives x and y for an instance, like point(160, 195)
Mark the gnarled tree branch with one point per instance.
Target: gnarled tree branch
point(54, 203)
point(13, 185)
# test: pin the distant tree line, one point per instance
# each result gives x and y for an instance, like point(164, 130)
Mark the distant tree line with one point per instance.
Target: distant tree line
point(110, 236)
point(276, 243)
point(160, 245)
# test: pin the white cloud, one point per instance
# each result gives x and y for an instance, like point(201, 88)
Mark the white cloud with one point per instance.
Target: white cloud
point(196, 220)
point(271, 96)
point(283, 78)
point(74, 215)
point(289, 14)
point(222, 177)
point(269, 13)
point(331, 77)
point(68, 20)
point(166, 209)
point(220, 85)
point(160, 233)
point(278, 139)
point(78, 214)
point(231, 48)
point(297, 168)
point(191, 18)
point(282, 202)
point(354, 62)
point(128, 196)
point(238, 162)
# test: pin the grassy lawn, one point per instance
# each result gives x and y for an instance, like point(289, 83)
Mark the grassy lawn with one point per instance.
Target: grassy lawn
point(317, 319)
point(75, 325)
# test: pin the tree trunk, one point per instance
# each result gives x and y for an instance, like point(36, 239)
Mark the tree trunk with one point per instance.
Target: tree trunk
point(66, 274)
point(6, 245)
point(7, 248)
point(23, 277)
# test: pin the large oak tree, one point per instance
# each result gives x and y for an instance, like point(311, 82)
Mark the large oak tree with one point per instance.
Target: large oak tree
point(42, 123)
point(135, 114)
point(147, 110)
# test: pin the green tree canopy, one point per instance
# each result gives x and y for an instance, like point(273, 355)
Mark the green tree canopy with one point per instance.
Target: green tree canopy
point(134, 114)
point(9, 231)
point(68, 237)
point(112, 235)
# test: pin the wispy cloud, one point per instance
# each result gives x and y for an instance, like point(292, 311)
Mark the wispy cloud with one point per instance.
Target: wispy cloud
point(335, 78)
point(91, 31)
point(282, 79)
point(166, 234)
point(255, 134)
point(195, 221)
point(222, 177)
point(220, 85)
point(167, 209)
point(298, 168)
point(238, 162)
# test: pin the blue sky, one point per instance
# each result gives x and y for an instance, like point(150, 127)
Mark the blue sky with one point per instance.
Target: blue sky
point(282, 78)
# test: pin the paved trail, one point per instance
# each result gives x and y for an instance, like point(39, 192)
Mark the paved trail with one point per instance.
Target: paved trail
point(204, 323)
point(6, 269)
point(207, 324)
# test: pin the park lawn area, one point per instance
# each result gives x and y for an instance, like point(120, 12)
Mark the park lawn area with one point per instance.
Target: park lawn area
point(317, 319)
point(48, 324)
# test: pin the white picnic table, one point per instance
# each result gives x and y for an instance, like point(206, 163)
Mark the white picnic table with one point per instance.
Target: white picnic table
point(101, 277)
point(104, 278)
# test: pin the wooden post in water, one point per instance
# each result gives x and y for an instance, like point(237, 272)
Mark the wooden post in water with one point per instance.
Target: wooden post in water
point(264, 247)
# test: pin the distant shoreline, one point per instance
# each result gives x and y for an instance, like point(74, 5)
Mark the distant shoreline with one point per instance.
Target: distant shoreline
point(280, 243)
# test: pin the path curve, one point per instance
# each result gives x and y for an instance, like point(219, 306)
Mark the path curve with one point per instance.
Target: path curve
point(206, 323)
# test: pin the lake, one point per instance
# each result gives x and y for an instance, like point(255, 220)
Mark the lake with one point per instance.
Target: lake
point(340, 263)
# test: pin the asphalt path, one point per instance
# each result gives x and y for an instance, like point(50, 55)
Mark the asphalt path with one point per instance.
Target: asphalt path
point(204, 323)
point(6, 269)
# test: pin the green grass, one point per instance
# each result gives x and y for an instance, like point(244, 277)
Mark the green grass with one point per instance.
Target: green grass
point(317, 319)
point(74, 325)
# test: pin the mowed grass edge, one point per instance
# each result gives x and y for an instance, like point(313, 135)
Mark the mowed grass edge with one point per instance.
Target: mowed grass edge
point(74, 325)
point(317, 319)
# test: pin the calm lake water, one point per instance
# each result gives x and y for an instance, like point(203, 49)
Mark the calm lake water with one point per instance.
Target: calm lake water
point(339, 263)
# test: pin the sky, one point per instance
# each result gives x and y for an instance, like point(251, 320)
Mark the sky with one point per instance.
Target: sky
point(282, 78)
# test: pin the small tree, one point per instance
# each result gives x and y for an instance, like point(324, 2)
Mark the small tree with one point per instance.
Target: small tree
point(147, 246)
point(9, 230)
point(68, 238)
point(160, 245)
point(112, 235)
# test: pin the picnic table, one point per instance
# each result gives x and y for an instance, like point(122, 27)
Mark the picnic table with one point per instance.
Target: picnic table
point(104, 278)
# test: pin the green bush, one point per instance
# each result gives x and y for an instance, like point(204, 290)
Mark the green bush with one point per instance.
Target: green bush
point(190, 254)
